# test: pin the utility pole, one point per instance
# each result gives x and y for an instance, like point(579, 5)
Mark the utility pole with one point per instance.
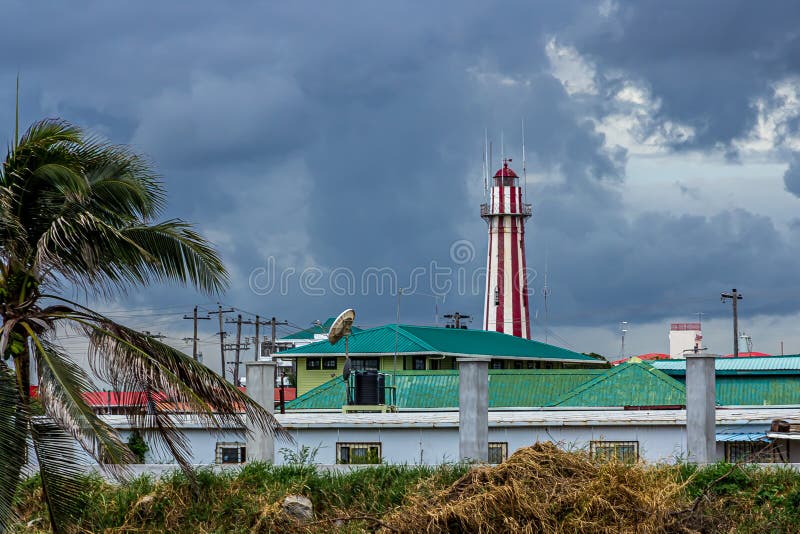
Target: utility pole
point(275, 324)
point(238, 346)
point(735, 296)
point(456, 319)
point(258, 322)
point(257, 345)
point(219, 312)
point(194, 318)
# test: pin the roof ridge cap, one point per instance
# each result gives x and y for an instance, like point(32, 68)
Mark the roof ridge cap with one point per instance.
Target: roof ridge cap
point(400, 329)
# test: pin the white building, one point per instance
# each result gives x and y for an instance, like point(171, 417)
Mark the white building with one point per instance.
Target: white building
point(684, 337)
point(431, 437)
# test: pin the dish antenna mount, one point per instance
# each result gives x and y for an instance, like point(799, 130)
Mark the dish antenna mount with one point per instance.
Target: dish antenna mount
point(342, 327)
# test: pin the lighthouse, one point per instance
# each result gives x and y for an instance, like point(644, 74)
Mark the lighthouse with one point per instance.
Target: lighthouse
point(506, 306)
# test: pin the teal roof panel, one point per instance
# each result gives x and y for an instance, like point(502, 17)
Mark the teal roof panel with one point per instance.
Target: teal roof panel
point(757, 365)
point(439, 389)
point(446, 341)
point(628, 384)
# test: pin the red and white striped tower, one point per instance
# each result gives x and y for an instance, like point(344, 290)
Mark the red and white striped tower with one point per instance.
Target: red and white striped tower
point(506, 307)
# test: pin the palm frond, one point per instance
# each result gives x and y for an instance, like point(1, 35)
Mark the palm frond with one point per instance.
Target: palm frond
point(60, 469)
point(181, 255)
point(62, 384)
point(14, 419)
point(131, 361)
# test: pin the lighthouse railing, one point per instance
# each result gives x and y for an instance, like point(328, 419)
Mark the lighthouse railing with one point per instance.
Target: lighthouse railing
point(525, 210)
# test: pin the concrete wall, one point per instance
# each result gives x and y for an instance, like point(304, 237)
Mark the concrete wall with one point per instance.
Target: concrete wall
point(202, 443)
point(440, 445)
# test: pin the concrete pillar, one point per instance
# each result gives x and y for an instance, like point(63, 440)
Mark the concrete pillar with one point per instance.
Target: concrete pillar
point(701, 401)
point(473, 409)
point(261, 388)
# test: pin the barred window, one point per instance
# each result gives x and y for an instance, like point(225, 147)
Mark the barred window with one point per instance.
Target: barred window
point(624, 451)
point(312, 364)
point(754, 452)
point(231, 452)
point(358, 453)
point(498, 452)
point(329, 363)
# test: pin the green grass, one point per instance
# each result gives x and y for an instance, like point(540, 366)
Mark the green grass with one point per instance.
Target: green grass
point(234, 501)
point(731, 498)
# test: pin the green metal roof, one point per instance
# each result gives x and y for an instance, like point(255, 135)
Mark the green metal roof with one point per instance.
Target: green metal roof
point(758, 365)
point(321, 328)
point(627, 384)
point(756, 390)
point(439, 389)
point(440, 341)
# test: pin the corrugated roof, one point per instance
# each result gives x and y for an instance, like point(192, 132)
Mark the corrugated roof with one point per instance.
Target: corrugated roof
point(759, 390)
point(440, 341)
point(628, 384)
point(321, 328)
point(439, 389)
point(544, 418)
point(742, 436)
point(764, 364)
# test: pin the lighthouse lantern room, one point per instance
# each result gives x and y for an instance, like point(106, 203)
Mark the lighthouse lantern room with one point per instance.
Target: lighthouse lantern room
point(506, 306)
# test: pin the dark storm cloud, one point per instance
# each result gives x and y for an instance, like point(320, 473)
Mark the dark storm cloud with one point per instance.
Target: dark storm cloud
point(706, 60)
point(349, 135)
point(791, 178)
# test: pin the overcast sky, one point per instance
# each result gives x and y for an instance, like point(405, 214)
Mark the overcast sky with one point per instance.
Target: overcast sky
point(325, 144)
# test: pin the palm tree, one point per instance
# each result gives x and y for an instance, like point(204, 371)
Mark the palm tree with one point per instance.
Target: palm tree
point(78, 212)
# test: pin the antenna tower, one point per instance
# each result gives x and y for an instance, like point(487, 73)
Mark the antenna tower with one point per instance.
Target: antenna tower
point(623, 328)
point(545, 294)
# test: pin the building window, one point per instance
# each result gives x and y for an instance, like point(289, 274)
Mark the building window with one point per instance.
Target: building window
point(498, 452)
point(518, 365)
point(753, 452)
point(418, 363)
point(358, 453)
point(312, 364)
point(364, 364)
point(496, 364)
point(329, 363)
point(231, 453)
point(624, 451)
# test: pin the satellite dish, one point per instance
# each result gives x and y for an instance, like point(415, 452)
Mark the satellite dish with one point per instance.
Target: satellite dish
point(342, 326)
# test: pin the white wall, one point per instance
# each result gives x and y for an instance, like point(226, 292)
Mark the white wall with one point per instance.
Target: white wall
point(440, 445)
point(202, 443)
point(681, 340)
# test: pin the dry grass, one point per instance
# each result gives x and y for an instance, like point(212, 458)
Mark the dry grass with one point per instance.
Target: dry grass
point(539, 489)
point(544, 489)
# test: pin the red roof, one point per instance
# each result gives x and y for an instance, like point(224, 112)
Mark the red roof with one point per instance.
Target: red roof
point(102, 399)
point(748, 355)
point(505, 172)
point(119, 398)
point(648, 356)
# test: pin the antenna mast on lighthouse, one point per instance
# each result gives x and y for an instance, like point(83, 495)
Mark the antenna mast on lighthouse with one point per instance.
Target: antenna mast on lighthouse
point(524, 165)
point(506, 307)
